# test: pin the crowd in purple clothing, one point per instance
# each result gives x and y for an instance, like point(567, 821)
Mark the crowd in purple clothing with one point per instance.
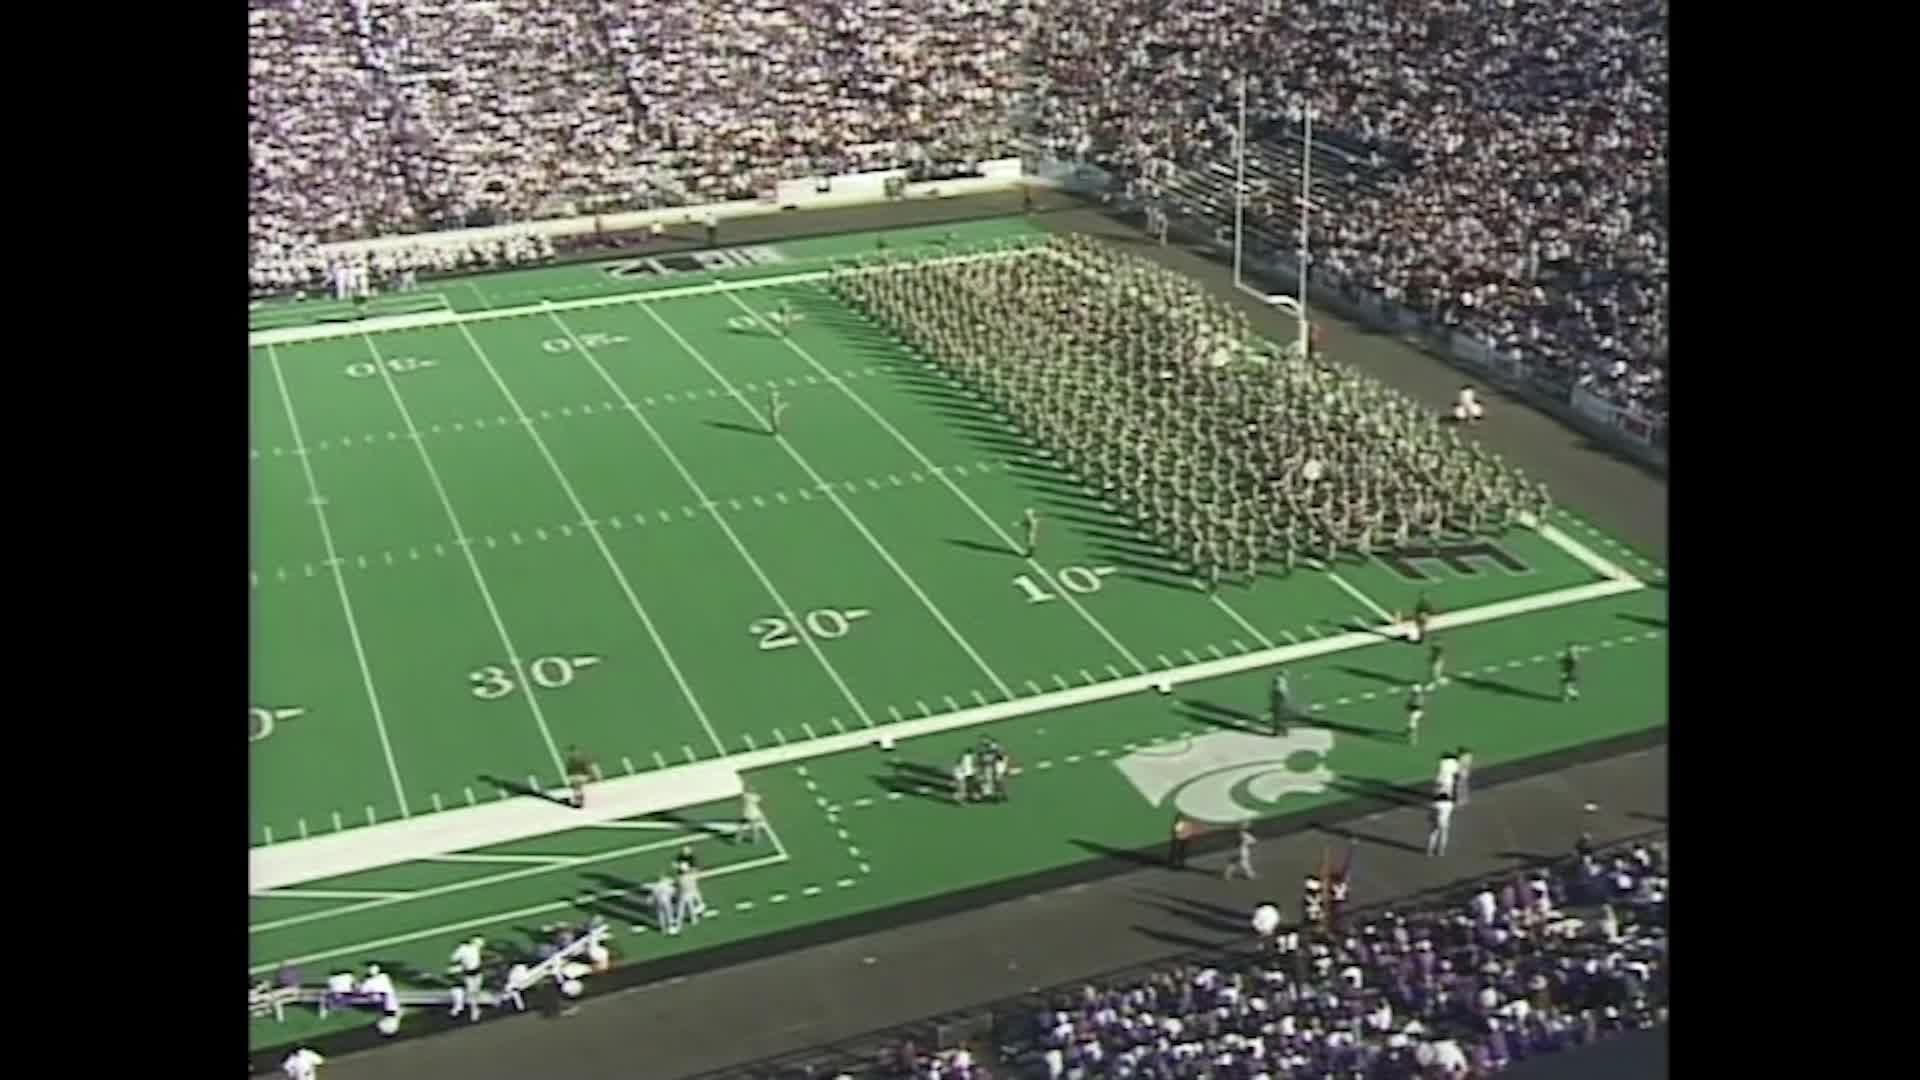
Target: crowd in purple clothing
point(1508, 971)
point(1529, 207)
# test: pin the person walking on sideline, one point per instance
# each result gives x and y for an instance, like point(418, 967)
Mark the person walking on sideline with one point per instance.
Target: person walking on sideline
point(579, 771)
point(1440, 828)
point(466, 962)
point(665, 915)
point(1277, 704)
point(753, 820)
point(1463, 780)
point(1177, 848)
point(1242, 863)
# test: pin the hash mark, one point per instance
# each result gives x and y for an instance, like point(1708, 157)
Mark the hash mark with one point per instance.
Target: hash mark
point(1113, 671)
point(1217, 654)
point(1239, 646)
point(1062, 683)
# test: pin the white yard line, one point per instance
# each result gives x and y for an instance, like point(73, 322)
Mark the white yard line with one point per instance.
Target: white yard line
point(1347, 587)
point(365, 947)
point(852, 518)
point(787, 610)
point(326, 894)
point(503, 860)
point(588, 520)
point(1244, 624)
point(927, 464)
point(547, 867)
point(340, 584)
point(289, 335)
point(466, 548)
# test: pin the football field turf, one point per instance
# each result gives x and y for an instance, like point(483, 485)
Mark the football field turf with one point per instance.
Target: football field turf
point(539, 510)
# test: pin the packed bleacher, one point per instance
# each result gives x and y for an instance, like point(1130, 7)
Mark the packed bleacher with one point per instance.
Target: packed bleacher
point(1514, 154)
point(373, 117)
point(1503, 168)
point(1509, 970)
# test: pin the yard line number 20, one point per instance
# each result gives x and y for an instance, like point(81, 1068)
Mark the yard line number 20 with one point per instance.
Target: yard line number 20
point(824, 624)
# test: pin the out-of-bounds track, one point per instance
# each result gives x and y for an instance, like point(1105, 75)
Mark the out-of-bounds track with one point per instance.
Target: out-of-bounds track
point(828, 985)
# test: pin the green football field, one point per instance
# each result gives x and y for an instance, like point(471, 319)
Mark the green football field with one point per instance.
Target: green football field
point(514, 514)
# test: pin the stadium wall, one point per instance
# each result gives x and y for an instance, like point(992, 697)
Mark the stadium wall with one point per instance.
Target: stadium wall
point(1617, 427)
point(811, 193)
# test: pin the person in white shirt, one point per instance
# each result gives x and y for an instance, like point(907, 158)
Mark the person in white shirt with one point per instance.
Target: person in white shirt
point(691, 905)
point(963, 771)
point(1449, 772)
point(753, 820)
point(466, 964)
point(1467, 408)
point(666, 915)
point(1441, 823)
point(302, 1064)
point(380, 984)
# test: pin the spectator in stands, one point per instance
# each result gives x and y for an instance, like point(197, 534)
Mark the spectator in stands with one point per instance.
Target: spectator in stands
point(1432, 991)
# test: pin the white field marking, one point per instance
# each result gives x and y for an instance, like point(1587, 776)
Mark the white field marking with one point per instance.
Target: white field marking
point(528, 860)
point(1162, 657)
point(1132, 684)
point(693, 485)
point(643, 826)
point(1114, 671)
point(808, 728)
point(606, 554)
point(1238, 646)
point(952, 705)
point(1062, 683)
point(473, 564)
point(340, 586)
point(780, 736)
point(364, 947)
point(266, 831)
point(302, 824)
point(371, 818)
point(471, 801)
point(691, 756)
point(1347, 587)
point(979, 698)
point(991, 522)
point(326, 894)
point(1583, 554)
point(924, 710)
point(748, 739)
point(812, 474)
point(1033, 687)
point(842, 728)
point(1188, 653)
point(811, 890)
point(560, 863)
point(436, 802)
point(1263, 639)
point(1217, 654)
point(845, 883)
point(1291, 639)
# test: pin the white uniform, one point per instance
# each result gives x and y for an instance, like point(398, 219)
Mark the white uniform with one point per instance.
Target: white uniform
point(302, 1064)
point(1441, 829)
point(466, 958)
point(753, 820)
point(665, 914)
point(1467, 409)
point(690, 904)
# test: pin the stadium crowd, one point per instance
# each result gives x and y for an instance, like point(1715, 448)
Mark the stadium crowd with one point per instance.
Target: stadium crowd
point(1530, 208)
point(1508, 970)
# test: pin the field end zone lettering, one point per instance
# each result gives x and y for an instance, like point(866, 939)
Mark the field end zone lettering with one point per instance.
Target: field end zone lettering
point(1456, 557)
point(694, 262)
